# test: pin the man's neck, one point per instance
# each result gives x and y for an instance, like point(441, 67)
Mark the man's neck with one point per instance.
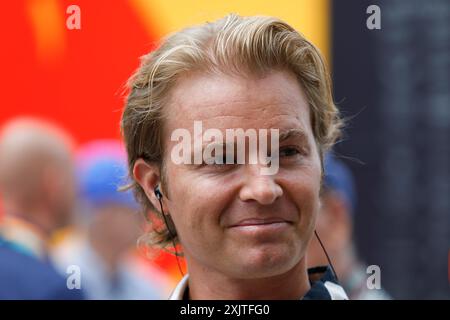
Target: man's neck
point(292, 285)
point(22, 232)
point(35, 216)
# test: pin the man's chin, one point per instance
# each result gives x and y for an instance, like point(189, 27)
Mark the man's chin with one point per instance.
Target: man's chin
point(265, 263)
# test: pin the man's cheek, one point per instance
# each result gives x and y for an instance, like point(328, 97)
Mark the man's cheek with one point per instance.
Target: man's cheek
point(205, 230)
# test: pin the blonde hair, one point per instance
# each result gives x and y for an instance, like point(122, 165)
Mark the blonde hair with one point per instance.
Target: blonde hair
point(232, 45)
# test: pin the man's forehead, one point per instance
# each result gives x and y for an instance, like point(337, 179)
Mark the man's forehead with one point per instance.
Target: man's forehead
point(202, 94)
point(287, 123)
point(232, 103)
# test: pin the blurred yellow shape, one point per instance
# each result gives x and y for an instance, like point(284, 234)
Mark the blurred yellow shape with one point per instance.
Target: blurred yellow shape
point(310, 17)
point(47, 19)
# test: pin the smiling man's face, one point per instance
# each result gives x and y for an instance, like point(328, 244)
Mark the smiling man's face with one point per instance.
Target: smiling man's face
point(231, 219)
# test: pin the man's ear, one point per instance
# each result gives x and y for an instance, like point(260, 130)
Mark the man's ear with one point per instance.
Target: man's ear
point(148, 177)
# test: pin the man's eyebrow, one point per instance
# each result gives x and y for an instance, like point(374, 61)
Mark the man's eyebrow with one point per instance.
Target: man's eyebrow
point(283, 135)
point(293, 133)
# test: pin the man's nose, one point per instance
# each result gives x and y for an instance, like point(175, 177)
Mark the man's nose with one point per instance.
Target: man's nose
point(261, 188)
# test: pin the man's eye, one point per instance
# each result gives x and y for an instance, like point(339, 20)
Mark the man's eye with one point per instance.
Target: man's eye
point(289, 152)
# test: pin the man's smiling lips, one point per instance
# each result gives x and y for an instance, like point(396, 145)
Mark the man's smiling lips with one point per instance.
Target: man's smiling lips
point(258, 221)
point(258, 225)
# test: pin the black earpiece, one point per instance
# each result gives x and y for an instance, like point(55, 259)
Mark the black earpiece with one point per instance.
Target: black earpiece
point(326, 254)
point(169, 225)
point(158, 193)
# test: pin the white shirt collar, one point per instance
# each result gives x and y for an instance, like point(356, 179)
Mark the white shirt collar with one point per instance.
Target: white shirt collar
point(336, 291)
point(180, 289)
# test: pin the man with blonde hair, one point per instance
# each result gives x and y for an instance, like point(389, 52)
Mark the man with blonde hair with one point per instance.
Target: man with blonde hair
point(243, 231)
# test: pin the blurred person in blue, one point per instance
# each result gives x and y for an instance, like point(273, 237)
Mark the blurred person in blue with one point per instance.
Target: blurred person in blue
point(38, 191)
point(109, 229)
point(335, 227)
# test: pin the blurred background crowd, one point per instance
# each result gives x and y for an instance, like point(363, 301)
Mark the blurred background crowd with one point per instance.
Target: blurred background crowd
point(63, 222)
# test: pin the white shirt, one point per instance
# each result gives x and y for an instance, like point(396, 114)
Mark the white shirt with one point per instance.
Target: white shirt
point(326, 288)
